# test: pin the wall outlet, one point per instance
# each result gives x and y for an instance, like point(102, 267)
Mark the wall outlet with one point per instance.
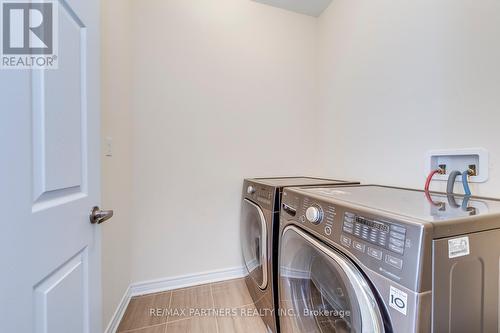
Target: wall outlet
point(108, 149)
point(461, 160)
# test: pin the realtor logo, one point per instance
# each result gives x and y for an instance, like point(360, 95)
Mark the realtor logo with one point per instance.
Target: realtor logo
point(29, 34)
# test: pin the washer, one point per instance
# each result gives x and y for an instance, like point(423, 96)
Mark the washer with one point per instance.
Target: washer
point(383, 259)
point(259, 234)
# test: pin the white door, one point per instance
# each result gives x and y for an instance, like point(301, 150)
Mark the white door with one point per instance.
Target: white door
point(49, 172)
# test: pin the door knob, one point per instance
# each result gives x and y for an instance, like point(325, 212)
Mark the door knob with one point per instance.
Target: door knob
point(98, 216)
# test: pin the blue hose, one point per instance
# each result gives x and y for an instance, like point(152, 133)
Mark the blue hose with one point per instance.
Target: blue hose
point(465, 203)
point(465, 181)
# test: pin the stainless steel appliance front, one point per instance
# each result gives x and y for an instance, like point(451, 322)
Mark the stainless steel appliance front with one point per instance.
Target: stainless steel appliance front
point(431, 261)
point(261, 201)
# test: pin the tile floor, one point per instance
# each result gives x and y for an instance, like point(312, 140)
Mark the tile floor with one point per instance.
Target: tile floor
point(223, 307)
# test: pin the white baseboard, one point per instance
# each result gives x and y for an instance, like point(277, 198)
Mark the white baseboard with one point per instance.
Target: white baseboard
point(170, 283)
point(158, 285)
point(120, 311)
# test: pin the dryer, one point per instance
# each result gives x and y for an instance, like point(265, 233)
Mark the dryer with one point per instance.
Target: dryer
point(261, 201)
point(383, 259)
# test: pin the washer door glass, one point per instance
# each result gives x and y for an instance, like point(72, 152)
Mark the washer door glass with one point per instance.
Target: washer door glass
point(254, 242)
point(321, 290)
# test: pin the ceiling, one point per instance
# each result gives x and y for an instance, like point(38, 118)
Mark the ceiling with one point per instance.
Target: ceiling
point(308, 7)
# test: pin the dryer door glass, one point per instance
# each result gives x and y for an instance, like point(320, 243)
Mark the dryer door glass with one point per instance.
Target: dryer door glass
point(321, 290)
point(254, 242)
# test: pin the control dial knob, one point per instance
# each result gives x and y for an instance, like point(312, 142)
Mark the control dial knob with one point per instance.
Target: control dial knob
point(314, 214)
point(250, 190)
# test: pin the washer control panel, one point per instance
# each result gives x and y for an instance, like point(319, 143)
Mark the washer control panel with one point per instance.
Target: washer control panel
point(318, 214)
point(387, 246)
point(387, 235)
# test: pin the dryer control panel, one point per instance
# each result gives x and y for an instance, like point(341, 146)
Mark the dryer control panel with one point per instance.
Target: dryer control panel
point(386, 246)
point(263, 195)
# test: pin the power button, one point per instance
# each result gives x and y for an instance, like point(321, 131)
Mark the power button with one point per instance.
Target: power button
point(328, 230)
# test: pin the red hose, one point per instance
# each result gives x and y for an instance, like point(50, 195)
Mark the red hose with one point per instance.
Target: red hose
point(428, 184)
point(429, 179)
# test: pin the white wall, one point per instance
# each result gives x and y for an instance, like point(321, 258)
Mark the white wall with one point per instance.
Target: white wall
point(117, 170)
point(217, 85)
point(398, 78)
